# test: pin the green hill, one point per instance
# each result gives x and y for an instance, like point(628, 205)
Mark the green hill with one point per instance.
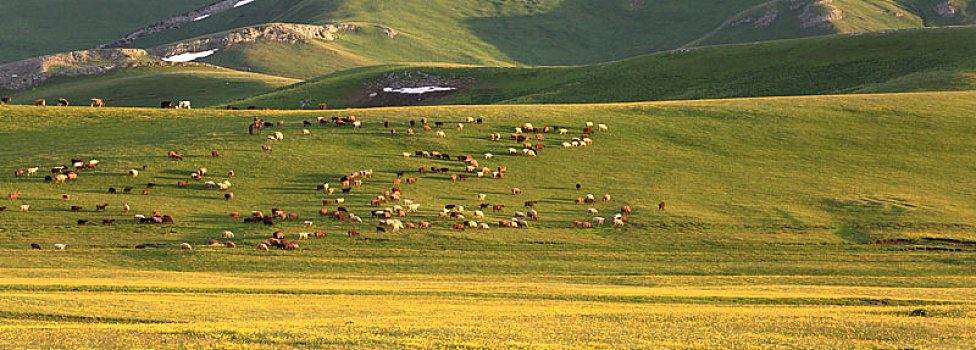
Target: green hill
point(915, 60)
point(780, 213)
point(771, 161)
point(563, 32)
point(40, 27)
point(147, 86)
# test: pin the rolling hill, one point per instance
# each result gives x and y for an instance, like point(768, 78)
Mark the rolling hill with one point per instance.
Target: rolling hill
point(479, 32)
point(783, 213)
point(147, 86)
point(912, 60)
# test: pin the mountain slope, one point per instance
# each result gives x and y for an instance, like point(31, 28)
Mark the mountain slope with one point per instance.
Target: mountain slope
point(147, 86)
point(571, 32)
point(915, 60)
point(39, 27)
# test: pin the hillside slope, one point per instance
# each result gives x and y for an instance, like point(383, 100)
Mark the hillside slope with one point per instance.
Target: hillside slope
point(147, 86)
point(563, 32)
point(914, 60)
point(40, 27)
point(572, 32)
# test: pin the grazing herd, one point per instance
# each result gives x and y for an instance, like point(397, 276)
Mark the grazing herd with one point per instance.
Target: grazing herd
point(395, 207)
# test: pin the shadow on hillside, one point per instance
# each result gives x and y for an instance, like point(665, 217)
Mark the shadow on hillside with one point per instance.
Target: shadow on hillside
point(586, 31)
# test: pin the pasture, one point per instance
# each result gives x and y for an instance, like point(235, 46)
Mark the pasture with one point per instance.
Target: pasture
point(810, 222)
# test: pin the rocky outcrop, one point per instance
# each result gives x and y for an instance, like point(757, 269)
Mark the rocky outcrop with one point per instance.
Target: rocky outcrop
point(285, 32)
point(174, 22)
point(23, 74)
point(819, 14)
point(946, 10)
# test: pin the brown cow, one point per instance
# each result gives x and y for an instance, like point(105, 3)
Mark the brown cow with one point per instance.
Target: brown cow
point(62, 102)
point(40, 102)
point(97, 102)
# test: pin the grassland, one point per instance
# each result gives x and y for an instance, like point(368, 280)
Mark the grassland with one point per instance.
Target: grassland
point(768, 240)
point(923, 60)
point(147, 86)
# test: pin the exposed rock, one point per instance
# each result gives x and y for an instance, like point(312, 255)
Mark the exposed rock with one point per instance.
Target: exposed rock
point(946, 10)
point(813, 15)
point(767, 19)
point(26, 73)
point(285, 32)
point(389, 31)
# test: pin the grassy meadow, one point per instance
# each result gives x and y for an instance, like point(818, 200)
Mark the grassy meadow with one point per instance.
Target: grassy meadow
point(777, 209)
point(922, 60)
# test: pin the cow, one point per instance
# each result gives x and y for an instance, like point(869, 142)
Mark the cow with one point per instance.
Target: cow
point(183, 105)
point(62, 102)
point(166, 104)
point(5, 100)
point(322, 106)
point(40, 102)
point(97, 102)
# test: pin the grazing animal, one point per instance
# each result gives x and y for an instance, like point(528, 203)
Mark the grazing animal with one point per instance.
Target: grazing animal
point(660, 206)
point(5, 100)
point(101, 206)
point(606, 197)
point(97, 102)
point(516, 190)
point(322, 106)
point(183, 105)
point(60, 246)
point(133, 172)
point(13, 195)
point(40, 102)
point(625, 209)
point(35, 246)
point(62, 102)
point(166, 104)
point(263, 247)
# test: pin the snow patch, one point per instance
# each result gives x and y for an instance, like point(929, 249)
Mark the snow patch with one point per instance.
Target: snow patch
point(201, 18)
point(243, 2)
point(189, 56)
point(418, 90)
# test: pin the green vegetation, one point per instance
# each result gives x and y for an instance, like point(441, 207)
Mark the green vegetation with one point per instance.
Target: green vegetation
point(920, 60)
point(147, 86)
point(771, 203)
point(40, 27)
